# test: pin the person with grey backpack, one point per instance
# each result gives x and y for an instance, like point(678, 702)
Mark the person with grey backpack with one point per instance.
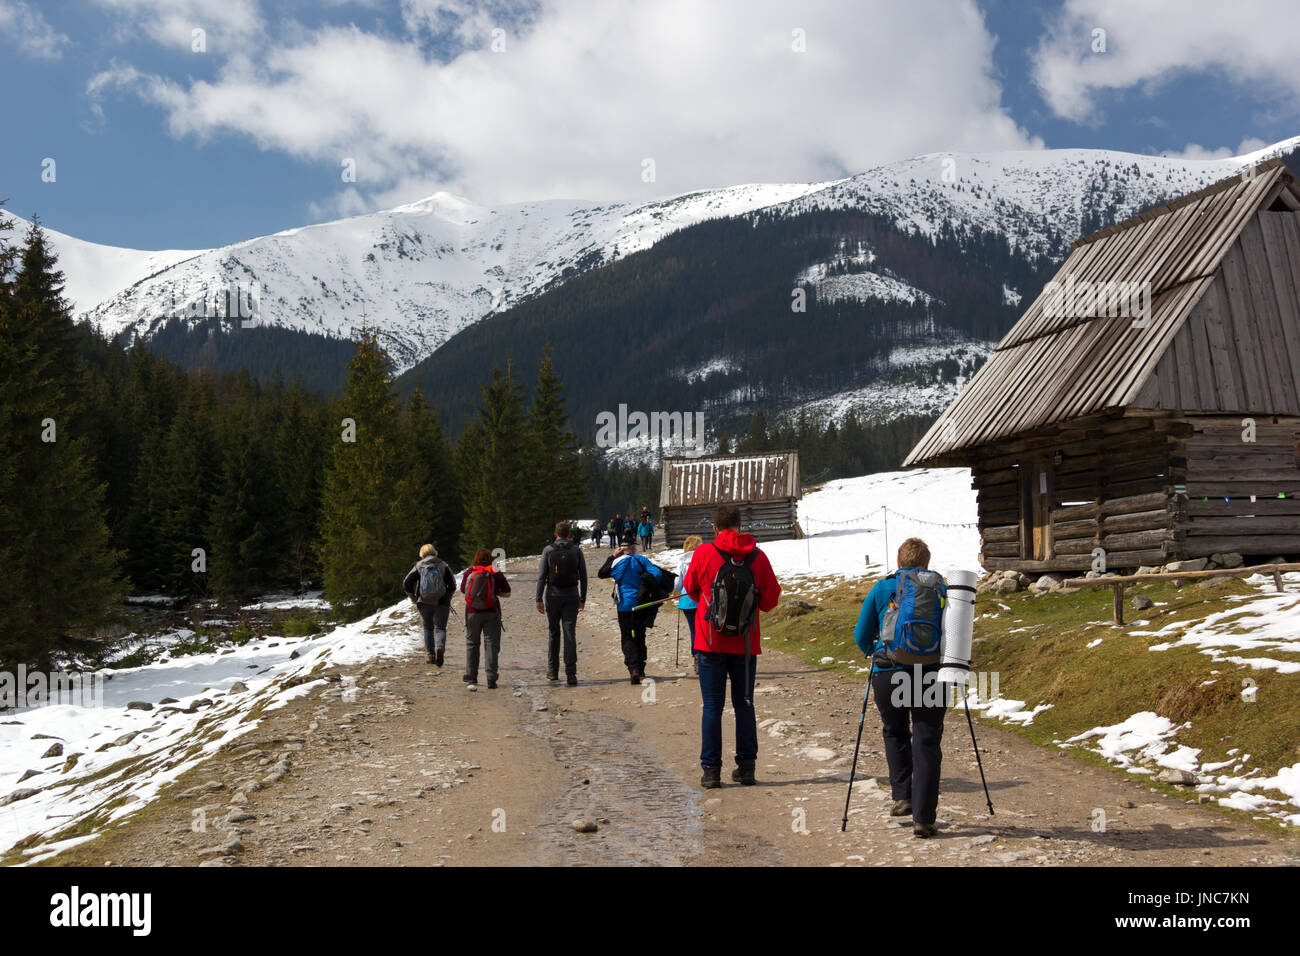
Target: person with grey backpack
point(429, 586)
point(561, 594)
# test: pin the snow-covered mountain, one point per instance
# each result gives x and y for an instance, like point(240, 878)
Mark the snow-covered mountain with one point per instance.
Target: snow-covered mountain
point(421, 272)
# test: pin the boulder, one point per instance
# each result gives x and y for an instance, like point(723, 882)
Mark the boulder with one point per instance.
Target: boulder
point(1141, 602)
point(1180, 777)
point(1229, 559)
point(1048, 582)
point(56, 750)
point(1192, 564)
point(1007, 586)
point(1148, 569)
point(139, 705)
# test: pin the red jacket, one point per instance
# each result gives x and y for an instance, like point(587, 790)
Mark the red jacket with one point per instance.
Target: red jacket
point(499, 579)
point(698, 585)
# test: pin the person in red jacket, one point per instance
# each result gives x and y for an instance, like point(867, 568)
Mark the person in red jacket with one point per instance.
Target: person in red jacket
point(483, 587)
point(723, 656)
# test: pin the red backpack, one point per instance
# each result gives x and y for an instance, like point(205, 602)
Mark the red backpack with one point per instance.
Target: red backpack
point(481, 589)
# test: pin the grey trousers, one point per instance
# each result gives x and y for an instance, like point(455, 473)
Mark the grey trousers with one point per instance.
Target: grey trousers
point(434, 620)
point(484, 625)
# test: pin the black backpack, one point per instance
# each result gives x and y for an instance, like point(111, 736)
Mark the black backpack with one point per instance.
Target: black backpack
point(733, 601)
point(656, 584)
point(562, 571)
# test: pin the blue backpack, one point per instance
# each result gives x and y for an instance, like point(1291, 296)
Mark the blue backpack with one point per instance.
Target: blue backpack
point(432, 584)
point(912, 629)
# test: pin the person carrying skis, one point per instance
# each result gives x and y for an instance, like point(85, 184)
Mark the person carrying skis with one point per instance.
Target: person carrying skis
point(561, 594)
point(483, 587)
point(732, 581)
point(903, 693)
point(429, 585)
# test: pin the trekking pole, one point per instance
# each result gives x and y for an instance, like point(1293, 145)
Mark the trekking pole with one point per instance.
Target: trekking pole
point(970, 723)
point(653, 603)
point(856, 747)
point(677, 651)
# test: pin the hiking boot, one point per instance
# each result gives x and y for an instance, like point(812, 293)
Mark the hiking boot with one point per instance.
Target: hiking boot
point(552, 677)
point(469, 678)
point(901, 808)
point(744, 774)
point(924, 830)
point(437, 658)
point(634, 678)
point(712, 778)
point(428, 658)
point(573, 680)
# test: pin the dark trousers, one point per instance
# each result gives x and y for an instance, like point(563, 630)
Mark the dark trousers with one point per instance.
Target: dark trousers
point(689, 614)
point(434, 620)
point(631, 628)
point(715, 670)
point(613, 538)
point(485, 625)
point(913, 752)
point(562, 616)
point(645, 542)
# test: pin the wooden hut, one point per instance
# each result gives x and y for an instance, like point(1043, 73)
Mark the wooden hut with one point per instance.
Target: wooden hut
point(765, 487)
point(1170, 436)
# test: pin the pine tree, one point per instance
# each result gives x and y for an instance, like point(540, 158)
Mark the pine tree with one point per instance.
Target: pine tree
point(493, 459)
point(432, 465)
point(370, 507)
point(245, 523)
point(60, 573)
point(559, 485)
point(300, 455)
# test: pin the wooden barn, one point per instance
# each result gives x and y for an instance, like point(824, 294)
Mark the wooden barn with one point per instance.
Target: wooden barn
point(1169, 436)
point(765, 487)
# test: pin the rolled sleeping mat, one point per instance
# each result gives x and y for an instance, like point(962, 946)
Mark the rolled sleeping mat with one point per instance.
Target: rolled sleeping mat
point(958, 628)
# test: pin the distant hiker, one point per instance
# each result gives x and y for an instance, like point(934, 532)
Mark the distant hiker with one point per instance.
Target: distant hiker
point(684, 603)
point(645, 530)
point(627, 568)
point(561, 594)
point(628, 535)
point(614, 529)
point(483, 587)
point(429, 585)
point(596, 532)
point(731, 581)
point(899, 681)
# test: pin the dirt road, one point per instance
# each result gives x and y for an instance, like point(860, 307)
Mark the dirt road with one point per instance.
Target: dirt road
point(396, 763)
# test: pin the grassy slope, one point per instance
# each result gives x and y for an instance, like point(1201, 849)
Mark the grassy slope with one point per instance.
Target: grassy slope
point(1037, 647)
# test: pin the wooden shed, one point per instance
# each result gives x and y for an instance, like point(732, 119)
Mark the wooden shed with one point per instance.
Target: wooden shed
point(1172, 435)
point(765, 487)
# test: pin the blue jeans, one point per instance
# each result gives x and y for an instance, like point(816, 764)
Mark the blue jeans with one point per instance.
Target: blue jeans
point(715, 668)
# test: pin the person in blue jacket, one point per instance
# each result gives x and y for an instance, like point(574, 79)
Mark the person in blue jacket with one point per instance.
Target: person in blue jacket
point(645, 530)
point(912, 752)
point(625, 566)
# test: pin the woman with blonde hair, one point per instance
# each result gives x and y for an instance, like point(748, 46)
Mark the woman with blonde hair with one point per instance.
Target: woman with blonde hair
point(684, 602)
point(429, 585)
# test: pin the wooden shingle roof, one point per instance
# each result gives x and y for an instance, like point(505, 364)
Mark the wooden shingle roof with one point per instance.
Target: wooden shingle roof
point(1057, 364)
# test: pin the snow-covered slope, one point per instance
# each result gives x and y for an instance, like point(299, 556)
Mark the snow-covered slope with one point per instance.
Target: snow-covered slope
point(423, 271)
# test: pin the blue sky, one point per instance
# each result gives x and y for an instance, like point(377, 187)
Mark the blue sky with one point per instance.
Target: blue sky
point(158, 145)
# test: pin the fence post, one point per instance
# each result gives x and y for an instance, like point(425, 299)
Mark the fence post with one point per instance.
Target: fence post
point(1119, 603)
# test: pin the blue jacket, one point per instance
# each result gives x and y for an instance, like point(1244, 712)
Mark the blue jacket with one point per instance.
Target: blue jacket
point(626, 572)
point(645, 529)
point(867, 632)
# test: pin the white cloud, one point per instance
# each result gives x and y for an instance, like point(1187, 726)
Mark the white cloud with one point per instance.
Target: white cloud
point(587, 89)
point(1249, 42)
point(172, 22)
point(33, 33)
point(1250, 144)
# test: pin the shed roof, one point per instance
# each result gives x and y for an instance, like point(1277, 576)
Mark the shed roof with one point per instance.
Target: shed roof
point(1062, 360)
point(724, 479)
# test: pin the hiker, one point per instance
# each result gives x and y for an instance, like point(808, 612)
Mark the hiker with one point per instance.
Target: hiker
point(628, 535)
point(614, 529)
point(684, 602)
point(626, 567)
point(561, 595)
point(596, 533)
point(913, 753)
point(429, 586)
point(722, 578)
point(483, 587)
point(645, 531)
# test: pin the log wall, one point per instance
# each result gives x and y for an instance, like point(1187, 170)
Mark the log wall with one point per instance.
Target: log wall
point(765, 520)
